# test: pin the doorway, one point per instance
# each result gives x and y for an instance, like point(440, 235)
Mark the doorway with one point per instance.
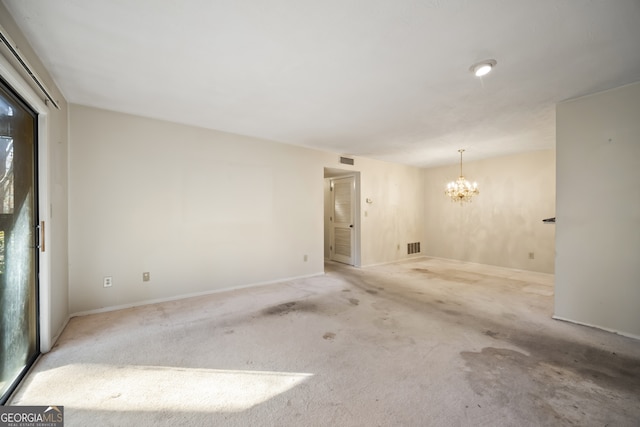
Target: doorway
point(342, 216)
point(19, 332)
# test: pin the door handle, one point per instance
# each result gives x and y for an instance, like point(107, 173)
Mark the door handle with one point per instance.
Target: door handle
point(38, 240)
point(350, 225)
point(42, 236)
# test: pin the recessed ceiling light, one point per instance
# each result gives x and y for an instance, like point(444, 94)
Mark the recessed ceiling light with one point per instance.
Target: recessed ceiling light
point(482, 68)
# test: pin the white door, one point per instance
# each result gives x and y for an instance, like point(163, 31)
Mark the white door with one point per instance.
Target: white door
point(342, 225)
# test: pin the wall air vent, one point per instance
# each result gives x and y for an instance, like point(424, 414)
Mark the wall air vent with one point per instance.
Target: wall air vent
point(346, 161)
point(413, 248)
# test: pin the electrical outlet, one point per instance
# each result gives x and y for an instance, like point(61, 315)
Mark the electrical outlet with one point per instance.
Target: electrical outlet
point(306, 258)
point(107, 282)
point(531, 255)
point(146, 276)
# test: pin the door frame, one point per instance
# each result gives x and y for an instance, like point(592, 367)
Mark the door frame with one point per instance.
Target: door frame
point(330, 173)
point(19, 84)
point(25, 195)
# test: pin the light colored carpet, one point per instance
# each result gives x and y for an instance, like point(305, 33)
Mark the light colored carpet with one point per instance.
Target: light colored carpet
point(423, 342)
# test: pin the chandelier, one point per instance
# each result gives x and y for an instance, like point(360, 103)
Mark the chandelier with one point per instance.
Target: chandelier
point(461, 190)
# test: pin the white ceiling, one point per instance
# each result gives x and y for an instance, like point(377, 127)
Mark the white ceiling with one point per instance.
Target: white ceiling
point(387, 79)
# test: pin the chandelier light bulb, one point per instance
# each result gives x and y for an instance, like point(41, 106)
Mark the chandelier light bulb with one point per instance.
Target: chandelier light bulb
point(461, 190)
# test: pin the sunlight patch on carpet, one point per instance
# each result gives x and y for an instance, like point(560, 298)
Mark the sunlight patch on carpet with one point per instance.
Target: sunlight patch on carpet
point(153, 388)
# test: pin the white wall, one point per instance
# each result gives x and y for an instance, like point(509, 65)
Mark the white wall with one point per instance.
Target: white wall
point(198, 209)
point(503, 224)
point(203, 210)
point(54, 308)
point(393, 218)
point(598, 229)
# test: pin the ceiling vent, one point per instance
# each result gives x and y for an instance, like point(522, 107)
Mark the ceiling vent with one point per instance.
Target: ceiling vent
point(346, 161)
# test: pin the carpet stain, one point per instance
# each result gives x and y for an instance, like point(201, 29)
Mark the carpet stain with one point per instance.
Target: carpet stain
point(510, 316)
point(289, 307)
point(550, 380)
point(371, 291)
point(555, 377)
point(354, 301)
point(487, 378)
point(329, 336)
point(229, 332)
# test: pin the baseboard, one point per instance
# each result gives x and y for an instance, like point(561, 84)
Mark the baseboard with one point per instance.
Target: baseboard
point(191, 295)
point(613, 331)
point(54, 339)
point(491, 265)
point(395, 261)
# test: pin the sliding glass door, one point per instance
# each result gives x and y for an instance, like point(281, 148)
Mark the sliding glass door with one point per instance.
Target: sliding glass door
point(18, 240)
